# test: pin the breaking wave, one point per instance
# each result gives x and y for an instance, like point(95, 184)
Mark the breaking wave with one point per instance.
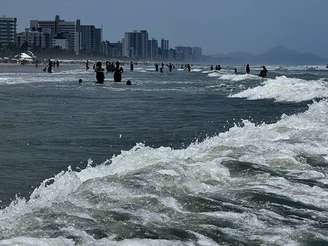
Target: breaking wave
point(239, 77)
point(253, 185)
point(283, 89)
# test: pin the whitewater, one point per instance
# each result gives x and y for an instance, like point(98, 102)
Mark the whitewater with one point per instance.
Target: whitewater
point(259, 180)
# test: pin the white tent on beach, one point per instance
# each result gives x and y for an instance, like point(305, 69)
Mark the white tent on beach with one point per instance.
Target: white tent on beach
point(24, 57)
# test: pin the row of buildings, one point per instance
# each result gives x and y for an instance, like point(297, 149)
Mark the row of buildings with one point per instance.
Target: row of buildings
point(88, 40)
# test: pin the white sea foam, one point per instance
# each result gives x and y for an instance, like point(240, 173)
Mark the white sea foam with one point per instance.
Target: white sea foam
point(214, 74)
point(28, 78)
point(283, 89)
point(196, 170)
point(239, 77)
point(25, 241)
point(197, 70)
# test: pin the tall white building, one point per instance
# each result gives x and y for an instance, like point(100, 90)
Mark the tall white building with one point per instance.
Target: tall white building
point(8, 27)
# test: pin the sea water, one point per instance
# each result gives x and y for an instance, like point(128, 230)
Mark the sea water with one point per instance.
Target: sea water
point(199, 158)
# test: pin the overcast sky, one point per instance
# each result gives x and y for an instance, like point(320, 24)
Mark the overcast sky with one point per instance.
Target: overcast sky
point(218, 26)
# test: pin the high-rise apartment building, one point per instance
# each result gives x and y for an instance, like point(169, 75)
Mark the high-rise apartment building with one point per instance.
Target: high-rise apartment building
point(61, 29)
point(34, 39)
point(153, 49)
point(90, 39)
point(183, 53)
point(165, 49)
point(8, 27)
point(135, 44)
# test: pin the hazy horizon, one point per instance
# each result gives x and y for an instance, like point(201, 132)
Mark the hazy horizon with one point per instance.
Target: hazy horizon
point(217, 26)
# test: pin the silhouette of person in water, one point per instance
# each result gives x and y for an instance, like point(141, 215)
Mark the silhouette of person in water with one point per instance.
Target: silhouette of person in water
point(108, 67)
point(87, 65)
point(236, 72)
point(50, 66)
point(131, 66)
point(57, 64)
point(118, 72)
point(156, 67)
point(264, 72)
point(100, 76)
point(170, 67)
point(188, 67)
point(248, 70)
point(212, 68)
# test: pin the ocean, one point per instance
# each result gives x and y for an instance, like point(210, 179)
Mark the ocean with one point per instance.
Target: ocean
point(200, 158)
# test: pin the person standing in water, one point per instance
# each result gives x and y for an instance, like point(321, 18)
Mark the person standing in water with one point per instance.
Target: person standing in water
point(248, 70)
point(188, 67)
point(87, 65)
point(118, 72)
point(100, 76)
point(49, 66)
point(170, 67)
point(131, 66)
point(156, 67)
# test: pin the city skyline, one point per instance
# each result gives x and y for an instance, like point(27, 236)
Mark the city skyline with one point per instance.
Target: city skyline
point(77, 38)
point(217, 26)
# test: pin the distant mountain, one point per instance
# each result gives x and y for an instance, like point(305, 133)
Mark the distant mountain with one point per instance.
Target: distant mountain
point(276, 55)
point(282, 55)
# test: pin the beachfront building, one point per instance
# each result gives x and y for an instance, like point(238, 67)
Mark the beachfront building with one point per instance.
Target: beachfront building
point(66, 29)
point(8, 26)
point(184, 53)
point(90, 39)
point(153, 49)
point(135, 44)
point(111, 50)
point(60, 43)
point(165, 46)
point(35, 39)
point(115, 49)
